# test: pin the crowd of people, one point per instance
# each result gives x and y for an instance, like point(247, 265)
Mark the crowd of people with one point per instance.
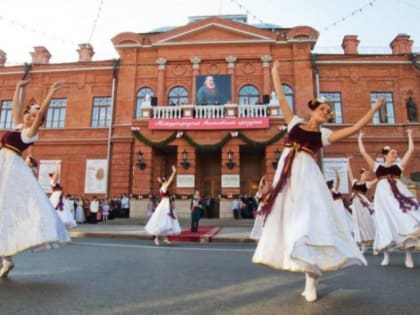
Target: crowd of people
point(93, 209)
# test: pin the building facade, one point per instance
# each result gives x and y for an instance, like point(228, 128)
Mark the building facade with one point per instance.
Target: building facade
point(119, 124)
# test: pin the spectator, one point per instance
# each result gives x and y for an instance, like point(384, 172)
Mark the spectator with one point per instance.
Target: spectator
point(93, 210)
point(80, 211)
point(125, 206)
point(235, 208)
point(105, 211)
point(196, 208)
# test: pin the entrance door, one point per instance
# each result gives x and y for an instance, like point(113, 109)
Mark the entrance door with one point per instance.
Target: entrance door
point(252, 169)
point(209, 181)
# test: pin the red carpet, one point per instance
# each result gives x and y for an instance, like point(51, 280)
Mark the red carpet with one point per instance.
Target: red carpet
point(204, 234)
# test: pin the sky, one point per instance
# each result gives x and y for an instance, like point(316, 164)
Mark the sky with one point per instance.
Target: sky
point(61, 26)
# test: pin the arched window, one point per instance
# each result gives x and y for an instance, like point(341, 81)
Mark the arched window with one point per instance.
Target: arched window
point(249, 95)
point(288, 92)
point(178, 96)
point(143, 95)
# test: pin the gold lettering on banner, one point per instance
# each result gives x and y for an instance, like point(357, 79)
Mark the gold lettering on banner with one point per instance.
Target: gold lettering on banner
point(209, 124)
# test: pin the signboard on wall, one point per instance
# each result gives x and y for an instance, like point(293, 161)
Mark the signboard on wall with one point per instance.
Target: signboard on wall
point(46, 167)
point(96, 177)
point(230, 181)
point(185, 181)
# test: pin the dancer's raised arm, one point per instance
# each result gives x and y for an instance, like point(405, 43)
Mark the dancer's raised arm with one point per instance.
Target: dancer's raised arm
point(170, 179)
point(362, 149)
point(284, 105)
point(366, 118)
point(410, 150)
point(44, 107)
point(16, 103)
point(349, 169)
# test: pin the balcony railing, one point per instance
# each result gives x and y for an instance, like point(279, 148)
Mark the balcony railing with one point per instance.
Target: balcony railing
point(210, 111)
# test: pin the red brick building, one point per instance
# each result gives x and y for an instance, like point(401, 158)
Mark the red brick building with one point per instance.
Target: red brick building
point(135, 117)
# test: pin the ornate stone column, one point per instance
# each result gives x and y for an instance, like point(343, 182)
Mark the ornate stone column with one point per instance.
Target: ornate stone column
point(266, 59)
point(231, 60)
point(196, 71)
point(161, 62)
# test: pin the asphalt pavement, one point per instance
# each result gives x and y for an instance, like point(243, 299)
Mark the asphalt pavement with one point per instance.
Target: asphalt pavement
point(102, 276)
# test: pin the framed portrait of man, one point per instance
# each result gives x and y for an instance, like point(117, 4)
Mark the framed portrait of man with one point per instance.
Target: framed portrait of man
point(213, 89)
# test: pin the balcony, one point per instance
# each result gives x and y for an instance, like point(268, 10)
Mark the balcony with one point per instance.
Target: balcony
point(197, 117)
point(210, 111)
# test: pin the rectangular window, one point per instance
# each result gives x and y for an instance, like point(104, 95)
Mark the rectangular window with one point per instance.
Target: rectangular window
point(6, 118)
point(101, 112)
point(385, 115)
point(334, 98)
point(56, 114)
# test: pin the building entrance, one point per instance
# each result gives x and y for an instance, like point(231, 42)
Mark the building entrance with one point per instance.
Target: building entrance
point(209, 181)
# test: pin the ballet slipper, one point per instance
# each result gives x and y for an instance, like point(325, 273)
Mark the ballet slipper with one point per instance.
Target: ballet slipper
point(316, 286)
point(156, 239)
point(409, 260)
point(311, 283)
point(6, 267)
point(166, 240)
point(385, 261)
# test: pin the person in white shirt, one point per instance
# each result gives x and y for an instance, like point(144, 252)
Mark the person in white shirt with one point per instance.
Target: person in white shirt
point(93, 209)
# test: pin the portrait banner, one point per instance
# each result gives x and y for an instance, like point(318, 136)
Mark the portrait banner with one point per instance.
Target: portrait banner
point(213, 89)
point(96, 176)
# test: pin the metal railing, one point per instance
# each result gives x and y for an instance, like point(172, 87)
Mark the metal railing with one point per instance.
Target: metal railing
point(210, 111)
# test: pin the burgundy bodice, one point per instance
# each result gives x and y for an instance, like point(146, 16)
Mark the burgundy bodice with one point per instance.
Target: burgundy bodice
point(13, 141)
point(164, 194)
point(309, 139)
point(391, 174)
point(337, 195)
point(298, 140)
point(360, 187)
point(394, 171)
point(56, 187)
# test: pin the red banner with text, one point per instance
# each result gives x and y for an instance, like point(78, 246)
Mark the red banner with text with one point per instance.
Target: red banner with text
point(210, 124)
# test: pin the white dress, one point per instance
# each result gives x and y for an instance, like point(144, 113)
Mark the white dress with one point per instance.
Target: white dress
point(80, 212)
point(341, 210)
point(58, 202)
point(27, 218)
point(363, 218)
point(257, 227)
point(258, 221)
point(394, 227)
point(163, 221)
point(304, 232)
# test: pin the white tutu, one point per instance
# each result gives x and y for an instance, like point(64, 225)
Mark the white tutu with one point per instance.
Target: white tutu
point(393, 226)
point(304, 232)
point(65, 215)
point(161, 223)
point(67, 218)
point(346, 215)
point(27, 218)
point(363, 222)
point(257, 227)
